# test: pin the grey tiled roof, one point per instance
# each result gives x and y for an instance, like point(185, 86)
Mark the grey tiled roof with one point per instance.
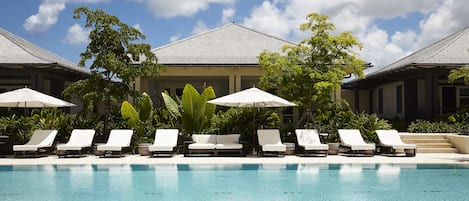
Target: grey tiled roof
point(228, 44)
point(15, 50)
point(452, 50)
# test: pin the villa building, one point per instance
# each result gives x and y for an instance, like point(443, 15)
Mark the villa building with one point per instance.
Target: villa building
point(22, 63)
point(225, 58)
point(415, 86)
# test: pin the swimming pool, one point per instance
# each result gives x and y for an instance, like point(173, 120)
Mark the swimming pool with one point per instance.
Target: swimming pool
point(235, 182)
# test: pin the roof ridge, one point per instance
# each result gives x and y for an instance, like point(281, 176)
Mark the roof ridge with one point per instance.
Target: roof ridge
point(452, 38)
point(216, 29)
point(23, 44)
point(383, 69)
point(190, 37)
point(268, 35)
point(14, 39)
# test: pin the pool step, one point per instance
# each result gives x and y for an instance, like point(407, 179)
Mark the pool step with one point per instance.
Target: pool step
point(429, 143)
point(437, 150)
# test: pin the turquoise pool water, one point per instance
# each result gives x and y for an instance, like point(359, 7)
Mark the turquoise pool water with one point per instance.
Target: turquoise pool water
point(235, 182)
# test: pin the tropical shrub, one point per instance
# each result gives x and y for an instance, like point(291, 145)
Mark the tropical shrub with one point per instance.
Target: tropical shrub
point(332, 119)
point(368, 124)
point(18, 128)
point(424, 126)
point(240, 120)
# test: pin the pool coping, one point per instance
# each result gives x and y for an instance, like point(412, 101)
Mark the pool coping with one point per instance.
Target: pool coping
point(180, 159)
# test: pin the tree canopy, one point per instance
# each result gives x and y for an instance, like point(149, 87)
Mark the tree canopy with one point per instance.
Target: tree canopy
point(116, 60)
point(310, 72)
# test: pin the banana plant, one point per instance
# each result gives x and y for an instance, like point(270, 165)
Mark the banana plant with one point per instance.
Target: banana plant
point(194, 111)
point(138, 117)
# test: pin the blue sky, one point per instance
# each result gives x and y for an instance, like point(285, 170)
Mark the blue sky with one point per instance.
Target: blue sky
point(387, 29)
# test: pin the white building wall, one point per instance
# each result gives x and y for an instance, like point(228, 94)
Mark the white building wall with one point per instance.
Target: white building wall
point(389, 100)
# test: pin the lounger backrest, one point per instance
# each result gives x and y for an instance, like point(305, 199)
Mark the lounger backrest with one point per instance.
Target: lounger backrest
point(166, 137)
point(351, 136)
point(42, 137)
point(81, 137)
point(120, 137)
point(389, 137)
point(268, 136)
point(206, 139)
point(307, 136)
point(228, 138)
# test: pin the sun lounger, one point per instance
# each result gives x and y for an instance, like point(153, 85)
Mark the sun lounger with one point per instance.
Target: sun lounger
point(79, 140)
point(229, 143)
point(201, 144)
point(353, 141)
point(309, 143)
point(270, 142)
point(390, 142)
point(41, 140)
point(165, 142)
point(214, 144)
point(118, 140)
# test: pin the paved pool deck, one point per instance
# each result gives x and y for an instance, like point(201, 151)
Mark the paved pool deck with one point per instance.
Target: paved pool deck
point(180, 159)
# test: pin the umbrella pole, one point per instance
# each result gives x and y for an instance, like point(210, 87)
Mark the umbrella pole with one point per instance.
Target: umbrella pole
point(254, 144)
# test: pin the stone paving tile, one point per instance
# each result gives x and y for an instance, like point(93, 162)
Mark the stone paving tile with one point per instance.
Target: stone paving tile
point(180, 159)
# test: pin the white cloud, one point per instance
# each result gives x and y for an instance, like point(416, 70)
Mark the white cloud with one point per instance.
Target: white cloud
point(269, 19)
point(174, 8)
point(378, 49)
point(46, 16)
point(227, 15)
point(199, 27)
point(88, 1)
point(405, 40)
point(137, 26)
point(174, 38)
point(448, 18)
point(282, 18)
point(76, 35)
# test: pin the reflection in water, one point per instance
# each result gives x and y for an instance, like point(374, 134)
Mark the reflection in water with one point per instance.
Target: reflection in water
point(166, 176)
point(80, 177)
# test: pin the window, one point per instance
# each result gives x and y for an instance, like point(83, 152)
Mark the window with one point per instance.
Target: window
point(399, 99)
point(380, 101)
point(463, 96)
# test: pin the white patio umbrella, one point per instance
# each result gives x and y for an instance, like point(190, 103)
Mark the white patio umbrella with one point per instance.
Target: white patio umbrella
point(28, 98)
point(254, 98)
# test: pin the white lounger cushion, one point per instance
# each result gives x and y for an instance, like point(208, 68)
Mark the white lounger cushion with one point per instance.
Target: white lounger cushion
point(203, 141)
point(39, 139)
point(202, 146)
point(270, 140)
point(391, 138)
point(229, 141)
point(353, 139)
point(79, 139)
point(274, 147)
point(118, 139)
point(229, 146)
point(165, 140)
point(309, 139)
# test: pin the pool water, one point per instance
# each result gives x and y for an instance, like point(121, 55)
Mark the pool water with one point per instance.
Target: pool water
point(235, 182)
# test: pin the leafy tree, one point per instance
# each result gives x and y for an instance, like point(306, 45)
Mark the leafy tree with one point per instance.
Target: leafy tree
point(117, 61)
point(456, 74)
point(310, 72)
